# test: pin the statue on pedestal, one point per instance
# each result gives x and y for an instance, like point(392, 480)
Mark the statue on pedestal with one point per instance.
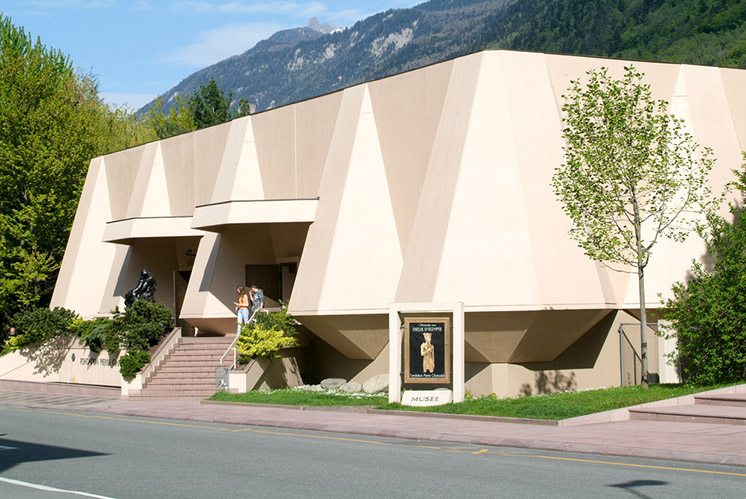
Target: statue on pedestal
point(145, 289)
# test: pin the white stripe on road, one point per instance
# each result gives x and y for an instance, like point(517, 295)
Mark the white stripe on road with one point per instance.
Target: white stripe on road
point(49, 489)
point(5, 447)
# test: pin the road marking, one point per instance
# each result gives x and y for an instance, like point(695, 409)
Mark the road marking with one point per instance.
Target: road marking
point(50, 489)
point(5, 447)
point(140, 419)
point(630, 465)
point(318, 437)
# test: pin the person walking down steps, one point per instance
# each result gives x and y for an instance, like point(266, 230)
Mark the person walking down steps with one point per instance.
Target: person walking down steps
point(242, 308)
point(256, 294)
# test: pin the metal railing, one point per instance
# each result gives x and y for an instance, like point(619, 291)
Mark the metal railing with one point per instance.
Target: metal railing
point(630, 361)
point(233, 343)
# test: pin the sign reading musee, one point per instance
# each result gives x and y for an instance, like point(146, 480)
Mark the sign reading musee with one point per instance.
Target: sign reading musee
point(427, 350)
point(427, 398)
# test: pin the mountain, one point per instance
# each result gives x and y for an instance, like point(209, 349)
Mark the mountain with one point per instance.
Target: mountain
point(300, 63)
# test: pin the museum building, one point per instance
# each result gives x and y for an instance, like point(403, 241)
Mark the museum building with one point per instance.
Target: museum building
point(431, 186)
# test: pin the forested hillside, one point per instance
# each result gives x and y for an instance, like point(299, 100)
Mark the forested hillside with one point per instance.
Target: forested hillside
point(297, 64)
point(709, 32)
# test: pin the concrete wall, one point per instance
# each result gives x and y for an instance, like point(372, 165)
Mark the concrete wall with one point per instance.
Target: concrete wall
point(429, 186)
point(64, 360)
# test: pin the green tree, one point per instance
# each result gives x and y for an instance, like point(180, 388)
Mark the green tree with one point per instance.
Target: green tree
point(51, 124)
point(210, 105)
point(244, 109)
point(179, 118)
point(631, 175)
point(708, 313)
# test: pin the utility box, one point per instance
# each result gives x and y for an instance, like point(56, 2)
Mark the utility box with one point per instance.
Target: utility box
point(221, 377)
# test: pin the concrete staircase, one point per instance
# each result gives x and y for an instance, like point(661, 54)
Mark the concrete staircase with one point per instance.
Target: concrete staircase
point(189, 370)
point(720, 408)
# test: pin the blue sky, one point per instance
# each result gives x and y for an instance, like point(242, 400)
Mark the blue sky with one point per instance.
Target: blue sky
point(140, 48)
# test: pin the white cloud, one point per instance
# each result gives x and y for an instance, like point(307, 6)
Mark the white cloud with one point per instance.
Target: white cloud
point(132, 101)
point(294, 9)
point(288, 8)
point(70, 4)
point(217, 44)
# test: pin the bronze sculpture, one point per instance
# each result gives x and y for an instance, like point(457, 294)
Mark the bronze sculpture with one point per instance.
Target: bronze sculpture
point(145, 289)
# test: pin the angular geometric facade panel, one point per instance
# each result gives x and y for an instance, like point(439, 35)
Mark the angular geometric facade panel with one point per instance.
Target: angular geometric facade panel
point(428, 186)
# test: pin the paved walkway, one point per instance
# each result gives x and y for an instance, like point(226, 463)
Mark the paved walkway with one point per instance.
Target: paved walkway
point(679, 441)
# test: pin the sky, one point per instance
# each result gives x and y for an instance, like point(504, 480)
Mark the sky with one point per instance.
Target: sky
point(138, 49)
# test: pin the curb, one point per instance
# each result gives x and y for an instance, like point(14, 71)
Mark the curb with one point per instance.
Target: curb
point(393, 412)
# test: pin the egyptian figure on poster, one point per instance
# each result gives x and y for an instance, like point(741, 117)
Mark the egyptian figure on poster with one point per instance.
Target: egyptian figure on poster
point(427, 350)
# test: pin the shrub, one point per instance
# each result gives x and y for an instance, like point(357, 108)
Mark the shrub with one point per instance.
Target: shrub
point(41, 324)
point(142, 325)
point(280, 320)
point(131, 363)
point(14, 343)
point(258, 341)
point(98, 334)
point(708, 313)
point(266, 336)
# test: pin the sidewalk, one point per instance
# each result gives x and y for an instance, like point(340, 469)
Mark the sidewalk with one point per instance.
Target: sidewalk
point(678, 441)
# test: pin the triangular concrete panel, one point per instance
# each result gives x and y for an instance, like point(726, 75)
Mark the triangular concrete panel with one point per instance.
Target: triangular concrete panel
point(79, 284)
point(734, 85)
point(408, 109)
point(199, 300)
point(321, 233)
point(178, 161)
point(563, 274)
point(142, 177)
point(239, 176)
point(276, 151)
point(423, 252)
point(487, 254)
point(122, 171)
point(365, 234)
point(155, 201)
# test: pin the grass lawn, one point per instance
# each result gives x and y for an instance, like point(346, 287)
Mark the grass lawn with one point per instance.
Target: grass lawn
point(551, 406)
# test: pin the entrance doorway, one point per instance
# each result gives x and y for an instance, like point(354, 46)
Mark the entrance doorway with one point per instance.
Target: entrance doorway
point(275, 279)
point(181, 280)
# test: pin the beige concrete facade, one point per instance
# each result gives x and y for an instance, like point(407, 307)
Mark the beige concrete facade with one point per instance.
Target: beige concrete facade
point(429, 186)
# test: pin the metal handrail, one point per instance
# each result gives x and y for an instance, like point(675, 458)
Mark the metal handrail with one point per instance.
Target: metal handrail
point(233, 343)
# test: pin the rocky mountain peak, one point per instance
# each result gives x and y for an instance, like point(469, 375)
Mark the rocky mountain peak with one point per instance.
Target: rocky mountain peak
point(325, 28)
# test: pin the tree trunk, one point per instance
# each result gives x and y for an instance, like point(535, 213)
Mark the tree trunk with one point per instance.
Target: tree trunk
point(643, 328)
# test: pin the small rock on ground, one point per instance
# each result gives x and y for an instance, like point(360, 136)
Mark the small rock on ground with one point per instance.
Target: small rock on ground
point(332, 384)
point(376, 384)
point(351, 387)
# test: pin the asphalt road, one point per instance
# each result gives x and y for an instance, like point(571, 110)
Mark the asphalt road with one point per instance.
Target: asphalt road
point(86, 454)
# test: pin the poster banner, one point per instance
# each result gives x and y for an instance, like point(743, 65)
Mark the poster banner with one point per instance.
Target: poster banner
point(427, 350)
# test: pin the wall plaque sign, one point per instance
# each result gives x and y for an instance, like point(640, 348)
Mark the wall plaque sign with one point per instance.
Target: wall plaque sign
point(427, 350)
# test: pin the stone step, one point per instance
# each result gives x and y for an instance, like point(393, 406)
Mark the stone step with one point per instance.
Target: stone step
point(183, 374)
point(730, 399)
point(189, 370)
point(209, 347)
point(179, 383)
point(694, 413)
point(184, 370)
point(190, 363)
point(214, 353)
point(175, 394)
point(216, 340)
point(194, 357)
